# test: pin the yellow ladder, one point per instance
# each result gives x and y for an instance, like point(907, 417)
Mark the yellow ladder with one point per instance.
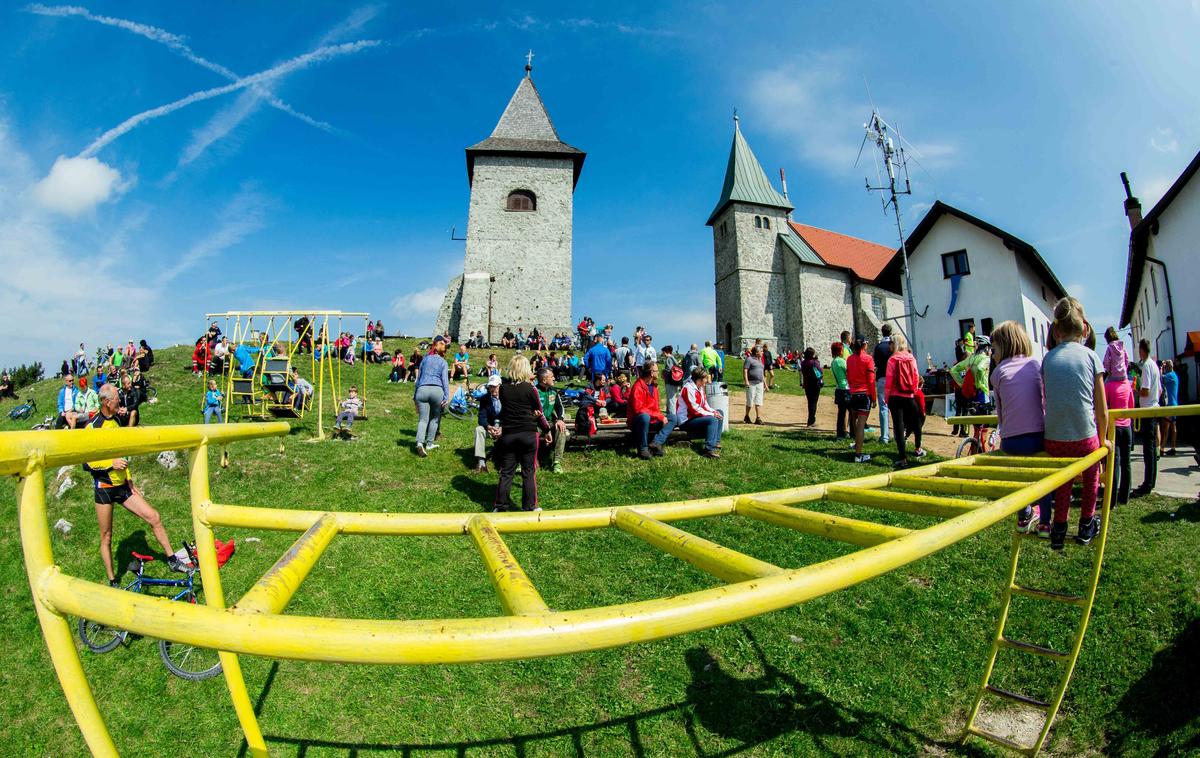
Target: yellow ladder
point(1066, 659)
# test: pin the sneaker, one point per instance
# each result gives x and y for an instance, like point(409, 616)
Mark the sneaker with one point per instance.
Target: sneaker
point(747, 419)
point(556, 468)
point(114, 583)
point(481, 468)
point(534, 509)
point(710, 453)
point(421, 451)
point(499, 509)
point(758, 421)
point(177, 564)
point(1024, 519)
point(1058, 535)
point(645, 454)
point(1170, 452)
point(920, 453)
point(1043, 531)
point(1088, 529)
point(900, 464)
point(885, 440)
point(862, 458)
point(657, 451)
point(432, 446)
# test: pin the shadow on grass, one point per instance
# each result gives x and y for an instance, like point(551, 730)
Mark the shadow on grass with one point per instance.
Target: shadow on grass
point(719, 708)
point(123, 555)
point(1187, 512)
point(1161, 708)
point(480, 491)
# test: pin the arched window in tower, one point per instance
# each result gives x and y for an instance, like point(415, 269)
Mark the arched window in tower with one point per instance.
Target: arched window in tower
point(758, 222)
point(766, 223)
point(521, 200)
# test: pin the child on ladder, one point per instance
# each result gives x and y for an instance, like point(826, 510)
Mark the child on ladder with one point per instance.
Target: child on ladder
point(1076, 416)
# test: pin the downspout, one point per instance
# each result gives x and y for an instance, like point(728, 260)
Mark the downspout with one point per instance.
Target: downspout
point(1170, 305)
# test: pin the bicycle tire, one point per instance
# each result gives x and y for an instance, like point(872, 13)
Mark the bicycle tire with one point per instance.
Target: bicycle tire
point(151, 392)
point(969, 446)
point(458, 415)
point(43, 426)
point(188, 661)
point(99, 638)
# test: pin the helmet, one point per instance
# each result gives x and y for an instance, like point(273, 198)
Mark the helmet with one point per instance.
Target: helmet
point(981, 343)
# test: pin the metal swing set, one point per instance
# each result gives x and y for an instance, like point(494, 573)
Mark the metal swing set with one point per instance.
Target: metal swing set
point(268, 392)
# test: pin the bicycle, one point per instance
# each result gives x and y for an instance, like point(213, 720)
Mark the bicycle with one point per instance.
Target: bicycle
point(24, 410)
point(465, 402)
point(185, 661)
point(46, 424)
point(983, 439)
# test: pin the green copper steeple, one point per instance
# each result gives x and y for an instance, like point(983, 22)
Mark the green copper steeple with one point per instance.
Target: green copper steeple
point(745, 180)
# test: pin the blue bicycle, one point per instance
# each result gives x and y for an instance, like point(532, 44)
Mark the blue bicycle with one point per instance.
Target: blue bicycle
point(23, 411)
point(185, 661)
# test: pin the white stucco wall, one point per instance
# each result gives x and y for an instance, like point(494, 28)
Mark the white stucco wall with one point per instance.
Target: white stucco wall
point(993, 289)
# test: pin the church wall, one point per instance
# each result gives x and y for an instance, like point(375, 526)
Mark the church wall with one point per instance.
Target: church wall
point(448, 313)
point(827, 308)
point(758, 300)
point(528, 253)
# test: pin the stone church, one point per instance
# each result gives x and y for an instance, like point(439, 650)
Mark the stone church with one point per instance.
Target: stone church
point(522, 181)
point(790, 284)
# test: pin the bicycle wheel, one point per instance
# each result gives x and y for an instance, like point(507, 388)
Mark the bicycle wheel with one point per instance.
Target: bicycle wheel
point(187, 661)
point(41, 427)
point(969, 446)
point(151, 392)
point(100, 638)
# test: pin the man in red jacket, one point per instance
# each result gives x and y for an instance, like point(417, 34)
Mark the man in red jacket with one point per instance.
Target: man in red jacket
point(644, 414)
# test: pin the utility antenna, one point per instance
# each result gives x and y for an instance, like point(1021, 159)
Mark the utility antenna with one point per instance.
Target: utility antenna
point(891, 151)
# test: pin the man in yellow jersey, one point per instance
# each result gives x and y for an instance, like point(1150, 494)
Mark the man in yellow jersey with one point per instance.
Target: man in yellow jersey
point(114, 484)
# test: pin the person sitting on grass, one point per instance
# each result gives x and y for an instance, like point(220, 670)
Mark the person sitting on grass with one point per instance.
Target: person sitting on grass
point(87, 402)
point(6, 386)
point(399, 374)
point(645, 415)
point(552, 409)
point(113, 484)
point(509, 340)
point(571, 366)
point(462, 363)
point(694, 415)
point(618, 395)
point(350, 409)
point(214, 402)
point(131, 399)
point(414, 366)
point(489, 422)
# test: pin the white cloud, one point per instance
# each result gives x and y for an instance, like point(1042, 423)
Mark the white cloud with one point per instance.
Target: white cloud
point(1165, 141)
point(816, 105)
point(298, 63)
point(77, 185)
point(240, 218)
point(420, 303)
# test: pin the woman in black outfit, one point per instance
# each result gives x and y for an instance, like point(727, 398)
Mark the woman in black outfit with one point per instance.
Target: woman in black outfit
point(810, 377)
point(521, 423)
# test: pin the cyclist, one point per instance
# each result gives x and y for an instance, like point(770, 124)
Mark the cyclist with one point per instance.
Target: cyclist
point(113, 484)
point(971, 373)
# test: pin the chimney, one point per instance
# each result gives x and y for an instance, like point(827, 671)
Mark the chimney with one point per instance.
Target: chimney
point(1133, 207)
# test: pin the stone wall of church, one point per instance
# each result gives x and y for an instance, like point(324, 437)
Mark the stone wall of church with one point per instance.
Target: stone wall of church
point(751, 289)
point(448, 313)
point(827, 305)
point(528, 252)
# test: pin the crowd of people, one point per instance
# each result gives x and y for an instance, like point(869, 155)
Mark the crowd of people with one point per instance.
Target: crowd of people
point(123, 368)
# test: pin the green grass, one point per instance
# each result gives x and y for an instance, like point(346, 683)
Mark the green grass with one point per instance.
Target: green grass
point(887, 667)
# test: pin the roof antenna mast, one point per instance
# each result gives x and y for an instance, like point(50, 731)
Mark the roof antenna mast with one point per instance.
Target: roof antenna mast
point(878, 132)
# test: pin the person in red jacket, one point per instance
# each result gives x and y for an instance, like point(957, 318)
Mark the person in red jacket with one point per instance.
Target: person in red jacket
point(860, 375)
point(644, 414)
point(901, 388)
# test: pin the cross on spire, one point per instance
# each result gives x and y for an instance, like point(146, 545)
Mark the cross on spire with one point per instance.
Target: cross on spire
point(528, 62)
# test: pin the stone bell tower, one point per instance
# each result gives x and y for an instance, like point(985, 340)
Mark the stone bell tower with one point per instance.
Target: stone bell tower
point(518, 253)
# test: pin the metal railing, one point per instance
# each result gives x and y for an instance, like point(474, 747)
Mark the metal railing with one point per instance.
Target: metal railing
point(257, 625)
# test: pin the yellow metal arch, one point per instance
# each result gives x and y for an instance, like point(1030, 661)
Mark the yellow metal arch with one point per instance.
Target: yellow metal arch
point(256, 623)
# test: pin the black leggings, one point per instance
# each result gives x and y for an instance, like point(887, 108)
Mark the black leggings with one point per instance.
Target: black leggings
point(812, 393)
point(906, 419)
point(510, 449)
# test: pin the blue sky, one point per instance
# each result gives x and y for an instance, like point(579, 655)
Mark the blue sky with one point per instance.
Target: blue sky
point(158, 161)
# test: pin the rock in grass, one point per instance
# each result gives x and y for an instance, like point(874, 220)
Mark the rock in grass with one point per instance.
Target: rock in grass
point(168, 460)
point(62, 526)
point(64, 485)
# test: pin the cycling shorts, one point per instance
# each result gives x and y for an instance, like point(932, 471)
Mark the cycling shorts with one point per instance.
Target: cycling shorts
point(109, 495)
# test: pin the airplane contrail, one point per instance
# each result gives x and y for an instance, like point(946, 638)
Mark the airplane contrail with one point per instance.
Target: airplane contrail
point(177, 44)
point(319, 55)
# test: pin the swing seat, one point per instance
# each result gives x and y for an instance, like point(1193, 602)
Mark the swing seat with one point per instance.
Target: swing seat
point(283, 411)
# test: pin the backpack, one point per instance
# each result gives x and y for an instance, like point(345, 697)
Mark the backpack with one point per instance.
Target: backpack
point(906, 377)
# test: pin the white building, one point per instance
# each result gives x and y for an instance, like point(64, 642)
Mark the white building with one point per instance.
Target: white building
point(1164, 260)
point(998, 277)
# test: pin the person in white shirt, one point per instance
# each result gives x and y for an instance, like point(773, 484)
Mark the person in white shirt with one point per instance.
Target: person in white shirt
point(1148, 389)
point(644, 352)
point(694, 415)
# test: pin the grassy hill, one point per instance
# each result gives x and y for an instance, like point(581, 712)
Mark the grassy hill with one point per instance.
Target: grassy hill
point(888, 667)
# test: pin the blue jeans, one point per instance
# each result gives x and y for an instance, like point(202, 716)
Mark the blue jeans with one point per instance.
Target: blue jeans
point(641, 426)
point(1028, 444)
point(210, 411)
point(883, 410)
point(708, 426)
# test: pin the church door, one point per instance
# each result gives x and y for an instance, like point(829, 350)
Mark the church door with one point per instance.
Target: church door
point(728, 337)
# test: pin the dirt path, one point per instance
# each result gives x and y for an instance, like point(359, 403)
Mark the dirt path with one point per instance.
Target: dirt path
point(782, 411)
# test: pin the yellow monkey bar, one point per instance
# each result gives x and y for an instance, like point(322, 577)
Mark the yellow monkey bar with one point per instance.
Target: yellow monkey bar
point(256, 624)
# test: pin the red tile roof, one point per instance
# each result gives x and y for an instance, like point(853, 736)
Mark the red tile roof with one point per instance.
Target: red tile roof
point(866, 259)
